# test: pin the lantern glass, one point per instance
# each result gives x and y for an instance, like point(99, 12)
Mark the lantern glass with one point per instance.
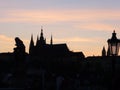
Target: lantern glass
point(114, 48)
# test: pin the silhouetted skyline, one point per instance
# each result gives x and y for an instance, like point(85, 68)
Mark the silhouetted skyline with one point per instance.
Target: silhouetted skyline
point(83, 24)
point(54, 67)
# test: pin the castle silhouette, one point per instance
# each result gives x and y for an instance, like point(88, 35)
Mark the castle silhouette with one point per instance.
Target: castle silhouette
point(44, 50)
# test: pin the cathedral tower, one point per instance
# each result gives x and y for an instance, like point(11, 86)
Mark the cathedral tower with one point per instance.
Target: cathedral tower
point(31, 46)
point(40, 41)
point(37, 41)
point(103, 52)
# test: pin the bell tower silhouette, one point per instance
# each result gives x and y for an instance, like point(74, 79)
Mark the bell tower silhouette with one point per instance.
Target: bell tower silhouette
point(103, 52)
point(31, 46)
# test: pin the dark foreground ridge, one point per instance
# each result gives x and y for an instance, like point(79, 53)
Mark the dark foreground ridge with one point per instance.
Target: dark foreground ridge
point(55, 67)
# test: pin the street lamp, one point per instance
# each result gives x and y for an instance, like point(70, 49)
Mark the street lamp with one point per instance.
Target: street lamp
point(113, 45)
point(113, 48)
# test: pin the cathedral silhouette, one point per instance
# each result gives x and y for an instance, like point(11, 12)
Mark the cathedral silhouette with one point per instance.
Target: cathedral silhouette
point(44, 50)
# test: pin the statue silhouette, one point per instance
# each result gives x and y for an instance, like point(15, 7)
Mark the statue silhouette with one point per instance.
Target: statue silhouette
point(19, 56)
point(20, 47)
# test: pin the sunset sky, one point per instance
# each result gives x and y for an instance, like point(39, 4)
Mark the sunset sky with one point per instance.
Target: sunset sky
point(85, 25)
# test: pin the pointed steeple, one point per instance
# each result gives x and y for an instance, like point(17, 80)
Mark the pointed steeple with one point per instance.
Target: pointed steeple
point(51, 40)
point(37, 41)
point(42, 40)
point(103, 52)
point(31, 46)
point(41, 35)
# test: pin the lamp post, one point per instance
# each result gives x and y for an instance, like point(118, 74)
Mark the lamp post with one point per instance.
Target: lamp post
point(113, 45)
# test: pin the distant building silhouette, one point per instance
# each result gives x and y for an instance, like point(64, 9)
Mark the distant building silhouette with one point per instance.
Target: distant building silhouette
point(31, 47)
point(113, 45)
point(103, 52)
point(44, 50)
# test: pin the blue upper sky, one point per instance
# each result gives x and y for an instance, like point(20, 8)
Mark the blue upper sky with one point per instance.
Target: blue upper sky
point(59, 4)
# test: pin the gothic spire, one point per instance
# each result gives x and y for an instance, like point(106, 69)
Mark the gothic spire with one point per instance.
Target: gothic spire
point(31, 46)
point(103, 51)
point(41, 34)
point(37, 40)
point(42, 40)
point(32, 41)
